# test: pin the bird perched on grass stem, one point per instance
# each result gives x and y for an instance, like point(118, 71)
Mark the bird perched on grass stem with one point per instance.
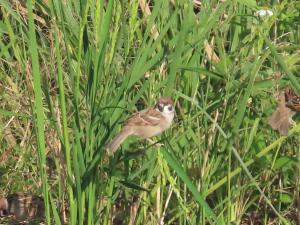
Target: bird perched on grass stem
point(146, 123)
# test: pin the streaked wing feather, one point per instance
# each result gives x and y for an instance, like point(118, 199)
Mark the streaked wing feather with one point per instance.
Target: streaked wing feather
point(145, 117)
point(292, 99)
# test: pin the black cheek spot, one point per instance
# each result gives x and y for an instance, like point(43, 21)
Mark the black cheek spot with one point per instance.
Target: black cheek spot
point(160, 108)
point(3, 212)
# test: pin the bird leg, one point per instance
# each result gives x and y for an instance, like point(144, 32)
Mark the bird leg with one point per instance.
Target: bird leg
point(154, 143)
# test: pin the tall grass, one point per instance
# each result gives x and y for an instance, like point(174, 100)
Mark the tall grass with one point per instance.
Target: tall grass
point(72, 71)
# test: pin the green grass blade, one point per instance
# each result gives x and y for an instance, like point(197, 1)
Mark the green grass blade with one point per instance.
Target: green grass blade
point(259, 155)
point(38, 107)
point(257, 186)
point(294, 81)
point(198, 197)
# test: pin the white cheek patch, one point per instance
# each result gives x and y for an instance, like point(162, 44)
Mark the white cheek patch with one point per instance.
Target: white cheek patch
point(166, 109)
point(169, 115)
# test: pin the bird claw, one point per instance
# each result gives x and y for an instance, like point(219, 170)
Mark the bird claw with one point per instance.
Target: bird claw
point(159, 145)
point(154, 143)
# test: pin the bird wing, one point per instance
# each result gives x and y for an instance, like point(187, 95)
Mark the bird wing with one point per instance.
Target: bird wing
point(147, 117)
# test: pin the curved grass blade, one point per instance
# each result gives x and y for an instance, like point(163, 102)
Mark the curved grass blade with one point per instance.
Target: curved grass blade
point(257, 186)
point(259, 155)
point(283, 65)
point(184, 177)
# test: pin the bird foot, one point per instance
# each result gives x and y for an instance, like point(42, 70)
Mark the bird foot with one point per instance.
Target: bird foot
point(154, 143)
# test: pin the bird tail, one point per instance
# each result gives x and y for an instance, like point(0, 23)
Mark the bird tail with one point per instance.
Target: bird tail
point(118, 140)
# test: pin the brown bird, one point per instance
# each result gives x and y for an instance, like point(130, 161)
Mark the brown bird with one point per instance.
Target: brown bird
point(292, 99)
point(288, 105)
point(146, 123)
point(22, 206)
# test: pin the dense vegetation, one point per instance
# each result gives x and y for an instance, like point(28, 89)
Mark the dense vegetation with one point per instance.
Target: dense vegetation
point(72, 71)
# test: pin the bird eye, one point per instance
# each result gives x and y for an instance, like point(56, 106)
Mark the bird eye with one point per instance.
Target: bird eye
point(170, 108)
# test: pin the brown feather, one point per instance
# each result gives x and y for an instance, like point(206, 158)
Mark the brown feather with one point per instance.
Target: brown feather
point(292, 99)
point(280, 119)
point(144, 118)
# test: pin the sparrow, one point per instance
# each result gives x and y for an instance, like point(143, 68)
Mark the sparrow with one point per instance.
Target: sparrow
point(146, 123)
point(292, 99)
point(22, 206)
point(281, 118)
